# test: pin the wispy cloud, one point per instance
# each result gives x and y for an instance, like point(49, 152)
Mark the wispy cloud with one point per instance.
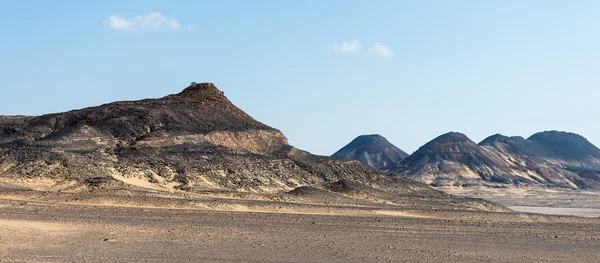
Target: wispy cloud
point(346, 47)
point(151, 21)
point(119, 23)
point(354, 46)
point(382, 50)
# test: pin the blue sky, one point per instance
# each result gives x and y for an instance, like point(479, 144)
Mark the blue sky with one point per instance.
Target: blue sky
point(323, 72)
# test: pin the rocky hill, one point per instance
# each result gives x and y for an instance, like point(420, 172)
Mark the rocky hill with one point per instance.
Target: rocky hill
point(548, 159)
point(374, 150)
point(568, 149)
point(193, 141)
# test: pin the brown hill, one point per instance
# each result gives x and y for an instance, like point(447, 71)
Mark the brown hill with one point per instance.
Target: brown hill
point(194, 141)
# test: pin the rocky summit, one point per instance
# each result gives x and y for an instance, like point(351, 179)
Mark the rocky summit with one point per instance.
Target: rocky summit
point(374, 150)
point(547, 159)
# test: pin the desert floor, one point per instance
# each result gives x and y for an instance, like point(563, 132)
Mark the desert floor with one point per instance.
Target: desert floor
point(34, 229)
point(536, 200)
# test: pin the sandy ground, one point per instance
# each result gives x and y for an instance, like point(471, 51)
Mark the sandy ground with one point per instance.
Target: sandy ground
point(538, 200)
point(35, 230)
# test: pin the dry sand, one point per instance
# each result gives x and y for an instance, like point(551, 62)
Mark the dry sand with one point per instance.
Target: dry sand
point(34, 229)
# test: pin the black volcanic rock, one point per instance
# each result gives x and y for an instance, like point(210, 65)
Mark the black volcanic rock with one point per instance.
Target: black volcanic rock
point(193, 141)
point(554, 155)
point(452, 146)
point(452, 142)
point(374, 150)
point(563, 148)
point(451, 158)
point(198, 109)
point(572, 150)
point(515, 145)
point(550, 159)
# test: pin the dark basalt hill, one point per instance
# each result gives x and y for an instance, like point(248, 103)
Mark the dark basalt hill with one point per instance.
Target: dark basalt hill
point(548, 159)
point(374, 150)
point(514, 145)
point(450, 159)
point(572, 150)
point(195, 141)
point(569, 148)
point(200, 108)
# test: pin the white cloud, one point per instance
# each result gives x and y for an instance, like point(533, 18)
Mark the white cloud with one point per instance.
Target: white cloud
point(119, 23)
point(382, 50)
point(346, 47)
point(152, 21)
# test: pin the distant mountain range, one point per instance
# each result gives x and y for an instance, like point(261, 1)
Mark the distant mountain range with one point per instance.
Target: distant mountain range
point(373, 150)
point(548, 159)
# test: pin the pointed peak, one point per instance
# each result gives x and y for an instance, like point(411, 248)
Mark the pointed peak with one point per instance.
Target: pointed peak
point(370, 137)
point(200, 87)
point(448, 140)
point(204, 89)
point(205, 93)
point(371, 149)
point(370, 141)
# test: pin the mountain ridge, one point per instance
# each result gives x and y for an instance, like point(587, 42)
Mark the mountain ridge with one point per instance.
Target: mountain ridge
point(547, 159)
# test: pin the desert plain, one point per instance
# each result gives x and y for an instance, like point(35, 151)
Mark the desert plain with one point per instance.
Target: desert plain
point(306, 227)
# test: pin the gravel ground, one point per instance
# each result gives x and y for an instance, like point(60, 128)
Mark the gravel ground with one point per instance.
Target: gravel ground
point(44, 231)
